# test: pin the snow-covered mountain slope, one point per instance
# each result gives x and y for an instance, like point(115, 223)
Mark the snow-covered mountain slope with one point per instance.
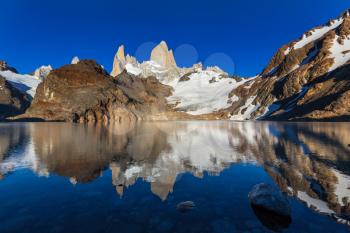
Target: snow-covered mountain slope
point(306, 79)
point(205, 91)
point(23, 82)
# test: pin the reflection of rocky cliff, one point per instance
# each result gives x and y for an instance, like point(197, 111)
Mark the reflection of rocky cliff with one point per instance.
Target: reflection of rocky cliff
point(308, 161)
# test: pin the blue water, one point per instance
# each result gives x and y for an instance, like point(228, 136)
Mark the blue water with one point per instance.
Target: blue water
point(64, 178)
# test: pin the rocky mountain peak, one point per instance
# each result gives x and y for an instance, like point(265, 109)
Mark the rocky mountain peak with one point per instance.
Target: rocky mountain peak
point(119, 62)
point(4, 66)
point(163, 56)
point(75, 60)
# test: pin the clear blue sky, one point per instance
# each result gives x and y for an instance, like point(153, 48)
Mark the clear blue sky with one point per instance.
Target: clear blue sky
point(36, 32)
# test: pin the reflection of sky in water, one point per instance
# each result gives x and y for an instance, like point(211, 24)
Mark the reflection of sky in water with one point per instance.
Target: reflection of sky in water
point(79, 172)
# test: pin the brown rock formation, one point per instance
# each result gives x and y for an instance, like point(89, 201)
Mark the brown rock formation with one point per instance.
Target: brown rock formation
point(84, 92)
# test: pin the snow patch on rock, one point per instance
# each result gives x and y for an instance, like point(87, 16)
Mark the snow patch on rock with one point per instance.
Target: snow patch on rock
point(340, 53)
point(23, 82)
point(244, 112)
point(317, 33)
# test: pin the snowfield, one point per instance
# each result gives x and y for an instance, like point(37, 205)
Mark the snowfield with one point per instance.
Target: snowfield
point(205, 92)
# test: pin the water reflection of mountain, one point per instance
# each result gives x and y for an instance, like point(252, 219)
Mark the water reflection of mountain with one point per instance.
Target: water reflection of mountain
point(308, 160)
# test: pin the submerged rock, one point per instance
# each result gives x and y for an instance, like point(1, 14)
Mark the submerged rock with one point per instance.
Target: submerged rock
point(270, 206)
point(269, 198)
point(185, 206)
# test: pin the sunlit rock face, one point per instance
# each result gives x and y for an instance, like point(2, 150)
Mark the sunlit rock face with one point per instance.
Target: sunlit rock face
point(306, 161)
point(163, 56)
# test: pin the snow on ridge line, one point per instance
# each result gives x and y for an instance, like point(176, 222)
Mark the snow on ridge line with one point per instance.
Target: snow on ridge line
point(23, 82)
point(316, 34)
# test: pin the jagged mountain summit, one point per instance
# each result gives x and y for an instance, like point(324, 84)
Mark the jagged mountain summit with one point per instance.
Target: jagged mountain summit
point(162, 64)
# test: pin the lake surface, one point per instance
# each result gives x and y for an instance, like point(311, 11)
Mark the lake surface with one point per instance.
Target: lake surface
point(59, 177)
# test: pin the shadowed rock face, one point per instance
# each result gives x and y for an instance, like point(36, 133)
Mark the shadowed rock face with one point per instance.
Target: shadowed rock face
point(12, 101)
point(84, 92)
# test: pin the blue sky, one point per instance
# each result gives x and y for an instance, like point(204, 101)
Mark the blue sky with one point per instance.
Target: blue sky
point(36, 32)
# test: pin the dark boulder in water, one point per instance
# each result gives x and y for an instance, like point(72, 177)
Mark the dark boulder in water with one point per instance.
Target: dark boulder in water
point(185, 206)
point(270, 206)
point(269, 198)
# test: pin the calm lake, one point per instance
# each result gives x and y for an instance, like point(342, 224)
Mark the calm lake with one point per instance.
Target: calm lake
point(60, 177)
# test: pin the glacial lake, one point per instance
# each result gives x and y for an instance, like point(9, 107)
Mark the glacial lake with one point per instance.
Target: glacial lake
point(61, 177)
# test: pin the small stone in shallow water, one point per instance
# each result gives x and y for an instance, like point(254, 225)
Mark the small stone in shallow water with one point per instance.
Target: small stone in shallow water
point(185, 206)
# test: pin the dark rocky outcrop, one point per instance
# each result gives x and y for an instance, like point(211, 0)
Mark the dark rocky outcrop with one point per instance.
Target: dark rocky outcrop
point(12, 100)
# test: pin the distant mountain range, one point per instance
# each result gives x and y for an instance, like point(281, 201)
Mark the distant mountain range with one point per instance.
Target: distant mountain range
point(306, 79)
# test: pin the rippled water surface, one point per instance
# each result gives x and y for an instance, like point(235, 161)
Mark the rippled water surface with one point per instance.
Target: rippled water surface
point(58, 177)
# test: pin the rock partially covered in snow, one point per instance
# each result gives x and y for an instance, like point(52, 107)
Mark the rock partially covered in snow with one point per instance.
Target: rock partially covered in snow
point(12, 100)
point(271, 199)
point(75, 60)
point(23, 82)
point(42, 72)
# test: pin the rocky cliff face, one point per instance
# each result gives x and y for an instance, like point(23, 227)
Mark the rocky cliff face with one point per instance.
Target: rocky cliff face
point(163, 56)
point(119, 62)
point(84, 92)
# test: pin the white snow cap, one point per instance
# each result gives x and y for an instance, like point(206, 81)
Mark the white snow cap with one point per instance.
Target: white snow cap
point(75, 60)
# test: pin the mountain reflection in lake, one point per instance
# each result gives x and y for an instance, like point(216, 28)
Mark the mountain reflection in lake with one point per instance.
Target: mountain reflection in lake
point(58, 177)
